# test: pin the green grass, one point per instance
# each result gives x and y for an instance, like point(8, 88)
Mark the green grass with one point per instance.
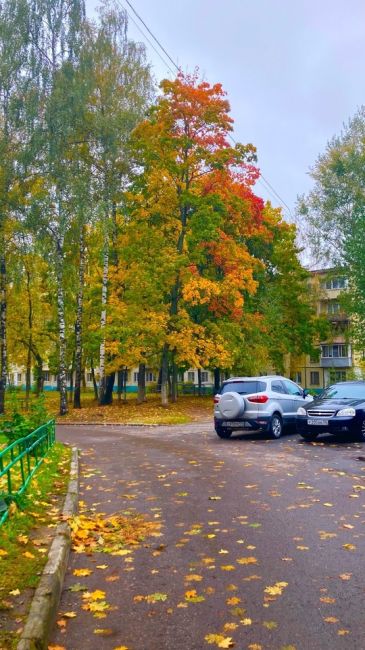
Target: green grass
point(25, 538)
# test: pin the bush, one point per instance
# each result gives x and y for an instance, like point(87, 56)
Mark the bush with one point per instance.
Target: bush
point(19, 425)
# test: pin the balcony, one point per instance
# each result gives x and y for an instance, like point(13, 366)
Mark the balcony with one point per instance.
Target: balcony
point(335, 362)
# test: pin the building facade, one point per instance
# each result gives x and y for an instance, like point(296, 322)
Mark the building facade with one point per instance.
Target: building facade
point(335, 358)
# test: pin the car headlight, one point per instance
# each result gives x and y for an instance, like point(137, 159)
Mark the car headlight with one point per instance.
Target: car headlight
point(349, 412)
point(301, 411)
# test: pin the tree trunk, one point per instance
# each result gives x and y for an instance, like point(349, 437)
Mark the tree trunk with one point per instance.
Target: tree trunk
point(3, 348)
point(141, 383)
point(165, 376)
point(61, 328)
point(120, 384)
point(104, 293)
point(28, 371)
point(174, 382)
point(199, 382)
point(39, 374)
point(217, 379)
point(108, 394)
point(93, 378)
point(78, 323)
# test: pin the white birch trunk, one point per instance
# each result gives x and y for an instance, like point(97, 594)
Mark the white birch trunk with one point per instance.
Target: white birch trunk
point(78, 323)
point(61, 328)
point(104, 296)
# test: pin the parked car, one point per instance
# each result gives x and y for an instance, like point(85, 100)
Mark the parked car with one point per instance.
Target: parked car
point(339, 409)
point(268, 403)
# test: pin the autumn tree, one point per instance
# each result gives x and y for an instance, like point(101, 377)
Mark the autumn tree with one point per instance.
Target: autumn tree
point(334, 212)
point(120, 89)
point(14, 78)
point(195, 190)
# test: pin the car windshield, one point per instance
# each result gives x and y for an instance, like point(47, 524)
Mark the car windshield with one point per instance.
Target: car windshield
point(243, 387)
point(344, 391)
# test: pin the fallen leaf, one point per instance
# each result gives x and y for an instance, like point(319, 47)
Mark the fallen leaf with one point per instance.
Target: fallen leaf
point(82, 572)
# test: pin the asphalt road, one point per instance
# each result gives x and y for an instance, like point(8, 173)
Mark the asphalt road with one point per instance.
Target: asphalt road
point(262, 544)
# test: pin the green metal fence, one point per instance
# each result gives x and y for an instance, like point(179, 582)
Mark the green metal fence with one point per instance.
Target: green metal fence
point(19, 461)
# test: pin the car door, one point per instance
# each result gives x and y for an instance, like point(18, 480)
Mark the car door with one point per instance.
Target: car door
point(296, 395)
point(284, 398)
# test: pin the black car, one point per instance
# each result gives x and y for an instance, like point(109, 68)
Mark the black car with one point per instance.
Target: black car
point(340, 409)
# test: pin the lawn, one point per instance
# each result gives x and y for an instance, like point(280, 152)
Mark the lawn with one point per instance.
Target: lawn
point(186, 409)
point(24, 541)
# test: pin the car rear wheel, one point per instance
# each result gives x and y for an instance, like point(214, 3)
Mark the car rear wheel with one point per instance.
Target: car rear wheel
point(276, 426)
point(223, 433)
point(309, 436)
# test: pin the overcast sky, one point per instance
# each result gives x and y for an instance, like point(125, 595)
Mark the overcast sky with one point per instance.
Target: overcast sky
point(293, 71)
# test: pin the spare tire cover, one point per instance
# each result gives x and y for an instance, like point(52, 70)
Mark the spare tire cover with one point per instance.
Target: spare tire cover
point(231, 405)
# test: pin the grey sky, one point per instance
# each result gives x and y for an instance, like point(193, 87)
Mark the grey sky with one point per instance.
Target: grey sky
point(293, 71)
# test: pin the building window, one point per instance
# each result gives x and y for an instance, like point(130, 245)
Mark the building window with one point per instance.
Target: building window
point(135, 377)
point(335, 283)
point(333, 307)
point(19, 378)
point(150, 376)
point(314, 378)
point(191, 376)
point(204, 376)
point(297, 378)
point(338, 375)
point(89, 376)
point(335, 351)
point(46, 375)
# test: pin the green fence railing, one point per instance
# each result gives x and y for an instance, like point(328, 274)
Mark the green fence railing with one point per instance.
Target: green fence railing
point(19, 461)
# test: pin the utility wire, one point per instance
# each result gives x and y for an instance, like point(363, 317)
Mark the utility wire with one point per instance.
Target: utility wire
point(153, 36)
point(264, 182)
point(146, 37)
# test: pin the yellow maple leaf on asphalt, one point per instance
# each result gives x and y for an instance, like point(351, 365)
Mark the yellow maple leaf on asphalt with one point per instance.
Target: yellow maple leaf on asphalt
point(233, 601)
point(69, 614)
point(246, 560)
point(228, 567)
point(193, 577)
point(219, 640)
point(276, 590)
point(82, 572)
point(97, 595)
point(349, 547)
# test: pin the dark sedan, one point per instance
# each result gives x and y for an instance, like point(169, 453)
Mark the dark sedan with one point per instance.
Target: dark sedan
point(340, 409)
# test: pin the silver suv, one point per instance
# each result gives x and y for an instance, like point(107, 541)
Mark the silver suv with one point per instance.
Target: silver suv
point(268, 403)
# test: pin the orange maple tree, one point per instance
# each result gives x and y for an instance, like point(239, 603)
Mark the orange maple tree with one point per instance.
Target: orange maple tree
point(193, 194)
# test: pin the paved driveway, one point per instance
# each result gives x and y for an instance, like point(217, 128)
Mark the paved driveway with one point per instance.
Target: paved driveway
point(262, 545)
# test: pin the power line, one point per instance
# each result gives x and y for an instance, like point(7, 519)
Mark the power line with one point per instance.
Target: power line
point(146, 37)
point(264, 182)
point(153, 36)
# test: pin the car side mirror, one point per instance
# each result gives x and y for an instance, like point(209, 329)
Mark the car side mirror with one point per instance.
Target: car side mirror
point(305, 393)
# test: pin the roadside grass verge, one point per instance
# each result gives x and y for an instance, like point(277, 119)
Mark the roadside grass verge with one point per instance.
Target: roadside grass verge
point(25, 538)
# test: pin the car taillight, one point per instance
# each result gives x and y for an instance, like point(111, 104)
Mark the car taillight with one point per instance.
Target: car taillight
point(258, 399)
point(216, 399)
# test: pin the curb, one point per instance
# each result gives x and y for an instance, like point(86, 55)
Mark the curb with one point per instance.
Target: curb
point(110, 424)
point(47, 595)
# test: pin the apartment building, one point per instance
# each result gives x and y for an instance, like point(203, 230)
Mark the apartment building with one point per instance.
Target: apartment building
point(335, 358)
point(189, 378)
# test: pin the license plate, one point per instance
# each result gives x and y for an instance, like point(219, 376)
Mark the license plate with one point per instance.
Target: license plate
point(233, 425)
point(317, 422)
